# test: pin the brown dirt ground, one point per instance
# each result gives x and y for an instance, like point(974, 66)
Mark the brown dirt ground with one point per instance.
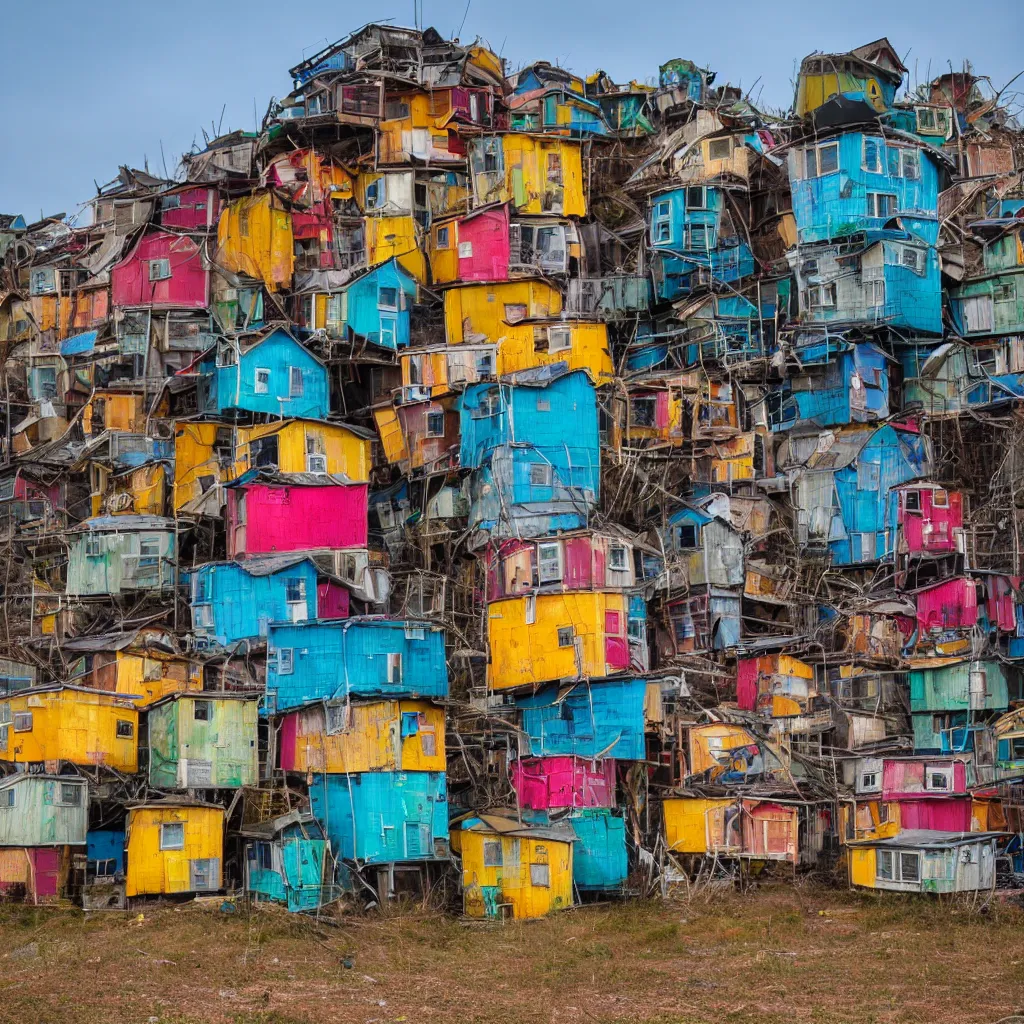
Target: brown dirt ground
point(793, 955)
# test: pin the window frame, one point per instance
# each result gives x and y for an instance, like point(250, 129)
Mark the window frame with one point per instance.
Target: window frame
point(544, 568)
point(159, 264)
point(168, 828)
point(261, 380)
point(566, 633)
point(296, 382)
point(124, 729)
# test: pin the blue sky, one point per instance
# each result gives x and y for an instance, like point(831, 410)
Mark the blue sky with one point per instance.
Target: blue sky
point(86, 87)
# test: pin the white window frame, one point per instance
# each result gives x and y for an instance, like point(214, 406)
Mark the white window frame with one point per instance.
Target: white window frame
point(544, 568)
point(19, 721)
point(726, 141)
point(428, 430)
point(285, 661)
point(933, 771)
point(879, 145)
point(561, 636)
point(872, 204)
point(614, 550)
point(296, 382)
point(172, 828)
point(261, 380)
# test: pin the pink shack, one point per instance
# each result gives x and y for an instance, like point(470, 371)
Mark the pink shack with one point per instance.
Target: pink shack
point(950, 605)
point(930, 519)
point(545, 783)
point(164, 270)
point(34, 873)
point(582, 560)
point(191, 209)
point(272, 513)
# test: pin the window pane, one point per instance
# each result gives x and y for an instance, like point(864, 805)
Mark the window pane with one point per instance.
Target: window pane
point(910, 867)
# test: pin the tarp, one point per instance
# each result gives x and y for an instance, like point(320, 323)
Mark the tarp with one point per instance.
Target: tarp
point(79, 345)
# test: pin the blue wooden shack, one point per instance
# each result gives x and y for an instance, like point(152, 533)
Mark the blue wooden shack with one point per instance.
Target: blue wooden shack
point(372, 307)
point(383, 817)
point(842, 488)
point(599, 858)
point(853, 182)
point(536, 450)
point(359, 657)
point(588, 719)
point(880, 277)
point(267, 372)
point(838, 382)
point(690, 233)
point(288, 860)
point(234, 601)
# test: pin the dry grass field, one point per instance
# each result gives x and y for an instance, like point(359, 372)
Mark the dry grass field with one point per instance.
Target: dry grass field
point(775, 956)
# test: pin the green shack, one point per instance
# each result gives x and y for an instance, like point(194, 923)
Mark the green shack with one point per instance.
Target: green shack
point(203, 741)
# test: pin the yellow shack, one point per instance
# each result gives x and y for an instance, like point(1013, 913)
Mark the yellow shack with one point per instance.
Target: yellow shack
point(209, 454)
point(255, 238)
point(385, 736)
point(483, 313)
point(70, 723)
point(545, 637)
point(174, 847)
point(513, 870)
point(140, 664)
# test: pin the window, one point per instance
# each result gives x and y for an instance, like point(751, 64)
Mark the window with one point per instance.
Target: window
point(927, 122)
point(883, 865)
point(869, 780)
point(912, 258)
point(159, 270)
point(125, 729)
point(295, 590)
point(559, 339)
point(442, 238)
point(912, 501)
point(1003, 292)
point(394, 668)
point(515, 311)
point(296, 384)
point(911, 164)
point(375, 195)
point(540, 875)
point(149, 552)
point(540, 474)
point(226, 355)
point(874, 294)
point(873, 150)
point(316, 464)
point(262, 386)
point(828, 158)
point(940, 499)
point(435, 424)
point(202, 711)
point(881, 204)
point(696, 197)
point(530, 609)
point(938, 779)
point(549, 562)
point(821, 296)
point(688, 535)
point(387, 298)
point(23, 721)
point(618, 558)
point(492, 853)
point(396, 110)
point(69, 795)
point(720, 149)
point(93, 545)
point(172, 835)
point(7, 798)
point(644, 412)
point(910, 867)
point(661, 226)
point(566, 635)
